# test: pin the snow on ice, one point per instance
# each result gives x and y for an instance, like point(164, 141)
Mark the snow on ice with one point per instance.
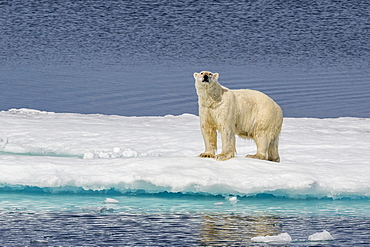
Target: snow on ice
point(60, 151)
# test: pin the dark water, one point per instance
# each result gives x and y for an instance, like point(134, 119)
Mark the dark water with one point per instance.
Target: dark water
point(37, 219)
point(176, 220)
point(138, 57)
point(174, 229)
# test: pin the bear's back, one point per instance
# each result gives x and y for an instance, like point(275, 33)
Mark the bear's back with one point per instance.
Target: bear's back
point(253, 97)
point(256, 105)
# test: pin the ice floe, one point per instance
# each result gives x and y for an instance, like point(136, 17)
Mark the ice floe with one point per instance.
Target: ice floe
point(321, 236)
point(282, 238)
point(68, 152)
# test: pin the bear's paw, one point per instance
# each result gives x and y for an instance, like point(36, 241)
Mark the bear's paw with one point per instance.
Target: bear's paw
point(256, 156)
point(206, 155)
point(223, 157)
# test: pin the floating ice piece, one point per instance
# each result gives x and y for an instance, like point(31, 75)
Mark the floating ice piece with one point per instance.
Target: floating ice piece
point(233, 199)
point(39, 241)
point(321, 236)
point(282, 238)
point(111, 200)
point(218, 203)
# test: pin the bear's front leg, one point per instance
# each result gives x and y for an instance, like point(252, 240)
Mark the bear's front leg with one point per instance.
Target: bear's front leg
point(228, 145)
point(210, 141)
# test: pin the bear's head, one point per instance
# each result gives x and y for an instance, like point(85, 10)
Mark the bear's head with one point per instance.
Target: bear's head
point(206, 77)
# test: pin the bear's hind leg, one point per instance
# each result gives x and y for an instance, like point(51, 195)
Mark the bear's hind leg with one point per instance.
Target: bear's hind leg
point(262, 142)
point(274, 150)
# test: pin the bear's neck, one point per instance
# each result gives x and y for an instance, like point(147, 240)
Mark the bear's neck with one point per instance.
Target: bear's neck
point(210, 95)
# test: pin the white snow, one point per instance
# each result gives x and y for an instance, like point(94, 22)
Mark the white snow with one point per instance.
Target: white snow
point(321, 236)
point(319, 157)
point(282, 238)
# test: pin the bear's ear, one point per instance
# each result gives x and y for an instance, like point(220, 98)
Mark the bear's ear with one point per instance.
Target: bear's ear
point(215, 75)
point(196, 75)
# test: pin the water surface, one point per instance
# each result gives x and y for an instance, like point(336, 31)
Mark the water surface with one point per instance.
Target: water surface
point(137, 58)
point(177, 220)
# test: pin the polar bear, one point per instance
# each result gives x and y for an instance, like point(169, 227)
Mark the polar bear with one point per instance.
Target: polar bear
point(246, 113)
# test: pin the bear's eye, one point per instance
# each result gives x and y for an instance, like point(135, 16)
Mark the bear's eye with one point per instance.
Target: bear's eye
point(201, 73)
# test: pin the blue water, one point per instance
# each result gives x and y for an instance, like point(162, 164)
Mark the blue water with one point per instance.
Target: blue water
point(176, 220)
point(136, 58)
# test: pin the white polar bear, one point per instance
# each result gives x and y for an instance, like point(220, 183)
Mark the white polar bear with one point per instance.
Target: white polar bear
point(247, 113)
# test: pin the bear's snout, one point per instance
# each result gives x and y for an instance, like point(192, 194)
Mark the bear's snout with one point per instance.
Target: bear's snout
point(205, 78)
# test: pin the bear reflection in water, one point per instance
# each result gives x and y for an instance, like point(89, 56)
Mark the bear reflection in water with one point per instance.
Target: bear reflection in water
point(229, 230)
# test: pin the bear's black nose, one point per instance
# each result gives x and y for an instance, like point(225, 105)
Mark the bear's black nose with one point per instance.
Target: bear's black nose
point(205, 78)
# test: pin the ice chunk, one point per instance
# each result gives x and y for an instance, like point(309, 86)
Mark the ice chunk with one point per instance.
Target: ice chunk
point(233, 200)
point(111, 200)
point(218, 203)
point(282, 238)
point(321, 236)
point(89, 155)
point(104, 155)
point(129, 153)
point(39, 241)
